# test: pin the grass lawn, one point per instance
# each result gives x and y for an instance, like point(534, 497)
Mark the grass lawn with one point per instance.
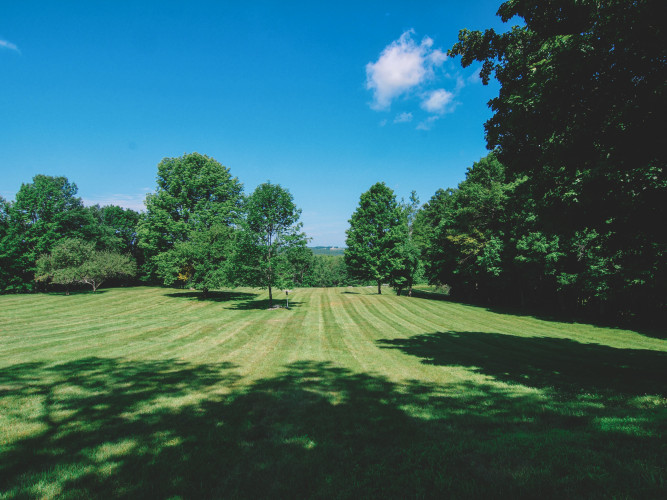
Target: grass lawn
point(151, 392)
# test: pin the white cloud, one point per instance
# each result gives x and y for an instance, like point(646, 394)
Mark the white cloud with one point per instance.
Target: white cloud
point(403, 118)
point(428, 123)
point(437, 101)
point(8, 45)
point(437, 57)
point(402, 66)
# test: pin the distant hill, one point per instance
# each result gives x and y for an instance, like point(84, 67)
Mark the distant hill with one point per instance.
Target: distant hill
point(328, 250)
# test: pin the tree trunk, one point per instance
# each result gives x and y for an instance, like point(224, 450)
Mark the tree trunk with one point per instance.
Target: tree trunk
point(204, 293)
point(270, 297)
point(379, 288)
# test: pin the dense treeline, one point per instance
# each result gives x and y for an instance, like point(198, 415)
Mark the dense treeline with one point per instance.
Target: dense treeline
point(198, 231)
point(576, 213)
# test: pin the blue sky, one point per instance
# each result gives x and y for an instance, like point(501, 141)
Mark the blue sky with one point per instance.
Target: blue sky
point(324, 98)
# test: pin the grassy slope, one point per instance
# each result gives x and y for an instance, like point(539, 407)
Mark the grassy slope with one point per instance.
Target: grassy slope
point(152, 392)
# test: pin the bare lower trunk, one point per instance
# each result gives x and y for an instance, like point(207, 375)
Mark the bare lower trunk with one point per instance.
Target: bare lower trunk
point(379, 288)
point(270, 297)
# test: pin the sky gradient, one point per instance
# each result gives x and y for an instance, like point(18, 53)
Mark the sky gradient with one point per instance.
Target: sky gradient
point(324, 98)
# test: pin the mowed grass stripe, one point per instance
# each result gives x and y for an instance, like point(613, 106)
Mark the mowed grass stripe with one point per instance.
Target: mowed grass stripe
point(374, 320)
point(347, 321)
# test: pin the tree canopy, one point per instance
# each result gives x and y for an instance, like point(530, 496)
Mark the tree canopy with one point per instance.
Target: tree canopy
point(73, 260)
point(579, 116)
point(194, 193)
point(269, 239)
point(43, 212)
point(378, 230)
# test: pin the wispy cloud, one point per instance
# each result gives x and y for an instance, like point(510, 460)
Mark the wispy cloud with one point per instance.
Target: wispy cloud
point(428, 123)
point(475, 78)
point(437, 101)
point(403, 118)
point(9, 45)
point(402, 66)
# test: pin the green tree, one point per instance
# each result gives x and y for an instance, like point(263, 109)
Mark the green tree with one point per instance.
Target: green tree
point(5, 264)
point(404, 275)
point(117, 228)
point(76, 261)
point(378, 230)
point(44, 212)
point(465, 249)
point(200, 261)
point(579, 113)
point(194, 193)
point(270, 233)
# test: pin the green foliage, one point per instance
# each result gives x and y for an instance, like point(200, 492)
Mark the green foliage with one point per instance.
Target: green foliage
point(582, 95)
point(329, 271)
point(375, 239)
point(44, 212)
point(117, 228)
point(270, 243)
point(463, 231)
point(76, 261)
point(198, 262)
point(409, 268)
point(194, 193)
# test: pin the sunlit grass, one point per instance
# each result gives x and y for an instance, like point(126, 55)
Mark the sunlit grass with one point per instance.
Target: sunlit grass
point(153, 392)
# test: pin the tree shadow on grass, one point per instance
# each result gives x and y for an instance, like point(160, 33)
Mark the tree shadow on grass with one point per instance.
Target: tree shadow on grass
point(76, 292)
point(216, 296)
point(251, 305)
point(102, 427)
point(541, 362)
point(550, 315)
point(241, 301)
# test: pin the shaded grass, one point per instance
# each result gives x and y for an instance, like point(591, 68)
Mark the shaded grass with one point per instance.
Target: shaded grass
point(145, 394)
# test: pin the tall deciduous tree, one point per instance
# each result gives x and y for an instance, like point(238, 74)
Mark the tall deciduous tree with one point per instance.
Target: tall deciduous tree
point(378, 230)
point(44, 212)
point(464, 250)
point(270, 232)
point(580, 112)
point(194, 193)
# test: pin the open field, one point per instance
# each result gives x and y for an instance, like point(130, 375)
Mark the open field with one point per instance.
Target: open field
point(151, 392)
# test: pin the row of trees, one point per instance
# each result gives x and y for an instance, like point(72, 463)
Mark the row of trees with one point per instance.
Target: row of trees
point(198, 231)
point(569, 209)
